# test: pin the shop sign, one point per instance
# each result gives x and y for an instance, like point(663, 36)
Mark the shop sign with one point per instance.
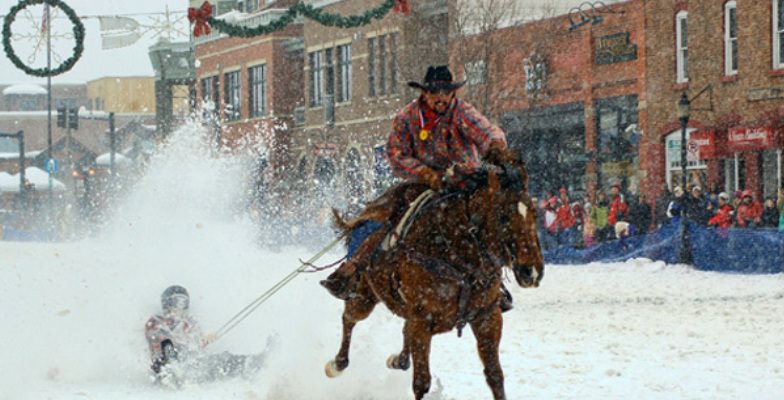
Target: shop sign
point(702, 146)
point(620, 168)
point(615, 48)
point(766, 93)
point(325, 149)
point(750, 139)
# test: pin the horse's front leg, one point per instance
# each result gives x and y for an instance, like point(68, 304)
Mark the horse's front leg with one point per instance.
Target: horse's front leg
point(487, 331)
point(418, 337)
point(401, 360)
point(356, 309)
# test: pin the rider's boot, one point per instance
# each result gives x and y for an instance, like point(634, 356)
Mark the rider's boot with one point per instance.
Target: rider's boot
point(343, 282)
point(506, 299)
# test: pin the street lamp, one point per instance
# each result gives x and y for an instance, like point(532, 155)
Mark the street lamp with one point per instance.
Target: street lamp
point(683, 109)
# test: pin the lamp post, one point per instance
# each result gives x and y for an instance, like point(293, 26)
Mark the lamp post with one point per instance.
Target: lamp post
point(683, 109)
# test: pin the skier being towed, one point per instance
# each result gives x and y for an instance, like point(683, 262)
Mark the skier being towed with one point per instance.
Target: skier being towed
point(177, 346)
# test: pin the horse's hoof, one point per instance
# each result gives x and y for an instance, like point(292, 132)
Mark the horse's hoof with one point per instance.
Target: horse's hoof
point(394, 362)
point(331, 369)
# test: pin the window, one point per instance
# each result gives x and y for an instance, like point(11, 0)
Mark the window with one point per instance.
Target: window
point(383, 72)
point(330, 72)
point(697, 171)
point(778, 33)
point(393, 70)
point(475, 72)
point(372, 67)
point(232, 95)
point(316, 79)
point(257, 95)
point(209, 91)
point(730, 39)
point(681, 48)
point(344, 69)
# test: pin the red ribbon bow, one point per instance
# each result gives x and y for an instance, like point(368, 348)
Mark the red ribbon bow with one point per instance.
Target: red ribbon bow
point(402, 6)
point(199, 17)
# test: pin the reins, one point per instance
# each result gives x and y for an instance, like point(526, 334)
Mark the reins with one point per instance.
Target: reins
point(250, 308)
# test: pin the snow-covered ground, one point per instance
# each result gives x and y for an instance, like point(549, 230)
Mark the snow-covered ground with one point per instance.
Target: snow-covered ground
point(73, 316)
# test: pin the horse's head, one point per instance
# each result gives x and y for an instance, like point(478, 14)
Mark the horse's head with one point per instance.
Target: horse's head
point(511, 215)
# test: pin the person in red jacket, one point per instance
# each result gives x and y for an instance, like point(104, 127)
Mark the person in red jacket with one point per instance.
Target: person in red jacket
point(749, 211)
point(435, 140)
point(566, 220)
point(619, 211)
point(723, 216)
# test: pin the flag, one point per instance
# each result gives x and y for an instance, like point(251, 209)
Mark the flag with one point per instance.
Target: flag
point(45, 20)
point(118, 32)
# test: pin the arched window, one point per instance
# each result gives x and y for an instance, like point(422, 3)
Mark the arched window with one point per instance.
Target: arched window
point(697, 170)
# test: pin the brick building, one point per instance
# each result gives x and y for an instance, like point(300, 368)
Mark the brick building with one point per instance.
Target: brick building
point(355, 82)
point(572, 101)
point(252, 85)
point(731, 50)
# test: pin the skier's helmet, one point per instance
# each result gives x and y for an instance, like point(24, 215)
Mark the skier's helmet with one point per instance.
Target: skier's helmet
point(175, 297)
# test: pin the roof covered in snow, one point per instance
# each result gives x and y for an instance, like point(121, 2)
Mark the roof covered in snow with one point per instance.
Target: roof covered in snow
point(24, 89)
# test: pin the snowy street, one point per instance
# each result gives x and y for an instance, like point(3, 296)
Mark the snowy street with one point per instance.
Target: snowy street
point(74, 313)
point(633, 330)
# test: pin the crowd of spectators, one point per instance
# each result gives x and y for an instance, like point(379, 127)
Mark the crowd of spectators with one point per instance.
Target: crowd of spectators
point(602, 216)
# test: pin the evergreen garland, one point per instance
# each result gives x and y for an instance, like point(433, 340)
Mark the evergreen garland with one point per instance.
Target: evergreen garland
point(78, 31)
point(308, 11)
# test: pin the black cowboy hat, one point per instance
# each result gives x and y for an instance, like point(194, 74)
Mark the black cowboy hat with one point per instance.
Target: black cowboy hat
point(437, 78)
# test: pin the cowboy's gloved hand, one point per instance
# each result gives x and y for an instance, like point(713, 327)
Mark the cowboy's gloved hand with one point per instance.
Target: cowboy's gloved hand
point(497, 151)
point(430, 177)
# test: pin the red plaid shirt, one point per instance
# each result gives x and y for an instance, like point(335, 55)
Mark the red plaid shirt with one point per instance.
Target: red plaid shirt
point(460, 136)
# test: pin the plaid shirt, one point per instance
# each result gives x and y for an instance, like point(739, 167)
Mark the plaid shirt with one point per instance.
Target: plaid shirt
point(460, 136)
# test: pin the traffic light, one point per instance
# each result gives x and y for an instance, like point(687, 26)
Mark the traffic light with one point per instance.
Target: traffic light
point(61, 116)
point(73, 118)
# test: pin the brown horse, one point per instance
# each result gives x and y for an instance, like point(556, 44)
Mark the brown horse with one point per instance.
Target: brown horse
point(446, 271)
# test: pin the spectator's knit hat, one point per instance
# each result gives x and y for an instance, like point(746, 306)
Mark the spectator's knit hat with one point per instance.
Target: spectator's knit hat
point(725, 196)
point(437, 78)
point(616, 184)
point(562, 190)
point(677, 190)
point(552, 201)
point(746, 193)
point(696, 188)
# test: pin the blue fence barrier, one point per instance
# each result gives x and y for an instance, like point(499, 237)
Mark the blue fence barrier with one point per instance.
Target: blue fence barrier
point(729, 250)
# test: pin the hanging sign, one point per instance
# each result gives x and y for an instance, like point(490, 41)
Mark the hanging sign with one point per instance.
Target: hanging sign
point(750, 139)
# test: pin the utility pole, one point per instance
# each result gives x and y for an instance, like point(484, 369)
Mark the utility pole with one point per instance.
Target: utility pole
point(112, 144)
point(49, 98)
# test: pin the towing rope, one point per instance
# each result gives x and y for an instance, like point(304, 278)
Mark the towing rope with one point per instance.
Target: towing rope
point(250, 308)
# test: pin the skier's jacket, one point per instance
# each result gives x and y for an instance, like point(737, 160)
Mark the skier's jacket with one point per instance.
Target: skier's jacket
point(183, 332)
point(460, 136)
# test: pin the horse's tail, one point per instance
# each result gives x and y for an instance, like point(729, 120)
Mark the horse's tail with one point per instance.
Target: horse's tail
point(343, 226)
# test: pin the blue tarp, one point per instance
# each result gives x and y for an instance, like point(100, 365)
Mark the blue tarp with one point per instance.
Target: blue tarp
point(729, 250)
point(12, 234)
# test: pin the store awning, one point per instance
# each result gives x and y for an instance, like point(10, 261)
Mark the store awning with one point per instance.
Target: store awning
point(751, 138)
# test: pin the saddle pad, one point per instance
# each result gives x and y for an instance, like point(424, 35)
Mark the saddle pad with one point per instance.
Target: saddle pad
point(400, 231)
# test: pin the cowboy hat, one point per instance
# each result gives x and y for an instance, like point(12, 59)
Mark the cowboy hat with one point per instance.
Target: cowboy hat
point(437, 78)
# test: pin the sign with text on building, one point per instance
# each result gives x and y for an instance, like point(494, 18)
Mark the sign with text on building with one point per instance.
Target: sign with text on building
point(702, 146)
point(751, 139)
point(615, 48)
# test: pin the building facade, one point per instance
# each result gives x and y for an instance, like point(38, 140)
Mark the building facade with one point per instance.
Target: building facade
point(572, 101)
point(731, 54)
point(355, 82)
point(249, 87)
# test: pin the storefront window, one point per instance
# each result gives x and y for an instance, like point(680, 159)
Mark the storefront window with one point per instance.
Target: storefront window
point(771, 172)
point(697, 170)
point(618, 140)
